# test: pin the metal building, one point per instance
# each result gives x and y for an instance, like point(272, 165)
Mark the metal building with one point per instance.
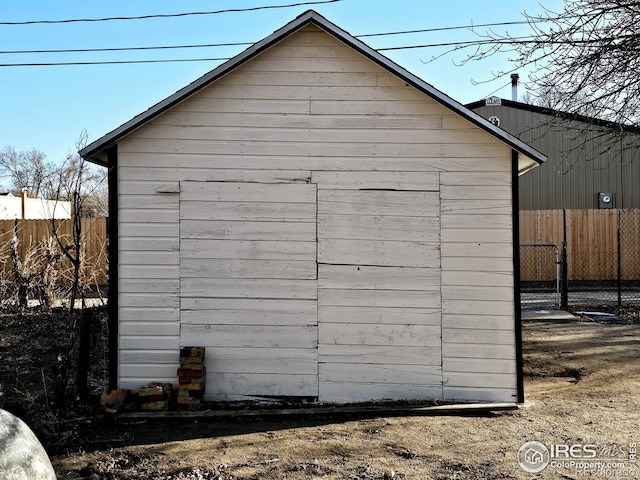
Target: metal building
point(591, 163)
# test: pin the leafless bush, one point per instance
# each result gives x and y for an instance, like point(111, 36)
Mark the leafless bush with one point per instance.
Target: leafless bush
point(39, 274)
point(33, 275)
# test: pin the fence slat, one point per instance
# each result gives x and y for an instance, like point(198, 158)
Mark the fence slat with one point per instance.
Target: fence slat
point(33, 232)
point(592, 242)
point(592, 239)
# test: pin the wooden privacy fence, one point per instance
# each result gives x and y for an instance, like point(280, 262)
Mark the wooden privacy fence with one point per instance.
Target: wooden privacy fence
point(602, 245)
point(35, 235)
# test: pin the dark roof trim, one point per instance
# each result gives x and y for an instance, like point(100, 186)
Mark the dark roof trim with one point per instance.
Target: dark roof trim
point(558, 114)
point(95, 151)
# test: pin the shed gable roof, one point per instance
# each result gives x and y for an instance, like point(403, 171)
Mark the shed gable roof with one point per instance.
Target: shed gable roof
point(96, 151)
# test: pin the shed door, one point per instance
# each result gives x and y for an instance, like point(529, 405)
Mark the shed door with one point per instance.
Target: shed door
point(248, 283)
point(379, 300)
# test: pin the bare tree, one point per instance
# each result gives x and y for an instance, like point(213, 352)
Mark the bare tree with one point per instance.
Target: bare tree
point(84, 186)
point(30, 171)
point(76, 182)
point(585, 57)
point(26, 171)
point(81, 183)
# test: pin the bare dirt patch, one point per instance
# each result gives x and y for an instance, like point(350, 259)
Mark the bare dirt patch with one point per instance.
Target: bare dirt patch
point(582, 385)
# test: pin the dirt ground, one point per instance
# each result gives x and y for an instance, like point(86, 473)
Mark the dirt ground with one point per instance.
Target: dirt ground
point(581, 385)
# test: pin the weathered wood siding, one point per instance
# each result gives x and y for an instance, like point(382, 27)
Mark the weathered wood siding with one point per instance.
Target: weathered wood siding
point(404, 276)
point(247, 276)
point(378, 287)
point(478, 340)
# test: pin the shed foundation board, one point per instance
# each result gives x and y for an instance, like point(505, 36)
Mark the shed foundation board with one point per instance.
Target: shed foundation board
point(380, 410)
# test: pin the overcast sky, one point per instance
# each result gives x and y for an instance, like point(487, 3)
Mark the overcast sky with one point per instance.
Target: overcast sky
point(47, 107)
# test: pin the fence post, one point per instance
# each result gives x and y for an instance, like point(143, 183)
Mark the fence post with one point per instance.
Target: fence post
point(619, 262)
point(564, 270)
point(564, 283)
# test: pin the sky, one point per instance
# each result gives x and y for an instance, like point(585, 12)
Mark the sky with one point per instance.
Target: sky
point(48, 107)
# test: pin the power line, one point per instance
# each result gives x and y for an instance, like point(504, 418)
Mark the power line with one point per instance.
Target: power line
point(460, 27)
point(116, 62)
point(166, 15)
point(120, 62)
point(126, 49)
point(498, 89)
point(510, 41)
point(111, 62)
point(460, 44)
point(212, 45)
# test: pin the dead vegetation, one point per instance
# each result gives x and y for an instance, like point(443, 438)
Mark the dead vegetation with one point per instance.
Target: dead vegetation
point(32, 349)
point(582, 384)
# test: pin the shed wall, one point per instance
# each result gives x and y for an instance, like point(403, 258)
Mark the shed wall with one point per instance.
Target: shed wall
point(311, 110)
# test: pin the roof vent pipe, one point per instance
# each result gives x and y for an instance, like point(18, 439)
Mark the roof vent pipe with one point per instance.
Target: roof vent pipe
point(514, 86)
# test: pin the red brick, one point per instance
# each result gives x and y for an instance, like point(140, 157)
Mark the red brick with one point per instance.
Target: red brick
point(192, 372)
point(193, 385)
point(167, 388)
point(115, 398)
point(150, 391)
point(195, 393)
point(197, 352)
point(155, 406)
point(191, 363)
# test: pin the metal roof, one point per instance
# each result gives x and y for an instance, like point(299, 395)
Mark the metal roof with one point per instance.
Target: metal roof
point(618, 127)
point(96, 151)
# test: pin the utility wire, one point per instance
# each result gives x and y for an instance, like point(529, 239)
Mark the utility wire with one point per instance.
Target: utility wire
point(466, 27)
point(127, 49)
point(510, 41)
point(169, 47)
point(166, 15)
point(213, 45)
point(120, 62)
point(112, 62)
point(497, 90)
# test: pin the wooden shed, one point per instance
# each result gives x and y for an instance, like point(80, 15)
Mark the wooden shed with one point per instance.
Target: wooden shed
point(329, 226)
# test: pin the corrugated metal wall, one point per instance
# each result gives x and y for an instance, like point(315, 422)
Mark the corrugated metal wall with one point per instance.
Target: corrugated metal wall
point(581, 164)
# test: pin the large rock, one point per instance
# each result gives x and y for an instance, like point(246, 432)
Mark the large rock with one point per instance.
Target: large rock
point(22, 457)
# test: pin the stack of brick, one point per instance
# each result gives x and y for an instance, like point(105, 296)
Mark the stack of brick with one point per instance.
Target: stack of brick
point(155, 397)
point(191, 377)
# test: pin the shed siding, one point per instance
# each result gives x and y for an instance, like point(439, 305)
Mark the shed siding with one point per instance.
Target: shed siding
point(478, 342)
point(227, 264)
point(392, 300)
point(149, 305)
point(378, 261)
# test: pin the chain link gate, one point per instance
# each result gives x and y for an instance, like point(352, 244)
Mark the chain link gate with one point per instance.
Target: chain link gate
point(598, 263)
point(629, 257)
point(539, 275)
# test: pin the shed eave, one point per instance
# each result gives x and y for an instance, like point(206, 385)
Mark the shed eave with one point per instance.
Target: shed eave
point(526, 163)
